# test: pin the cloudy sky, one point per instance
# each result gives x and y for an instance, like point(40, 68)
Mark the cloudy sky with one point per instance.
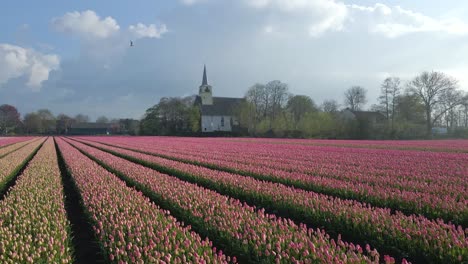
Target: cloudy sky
point(74, 56)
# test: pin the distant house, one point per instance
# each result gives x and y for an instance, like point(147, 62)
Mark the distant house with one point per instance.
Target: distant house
point(371, 117)
point(89, 129)
point(363, 124)
point(439, 130)
point(218, 114)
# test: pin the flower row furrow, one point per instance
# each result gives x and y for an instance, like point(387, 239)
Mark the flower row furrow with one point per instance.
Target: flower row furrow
point(33, 222)
point(280, 166)
point(443, 164)
point(436, 172)
point(253, 235)
point(12, 147)
point(453, 145)
point(418, 236)
point(6, 141)
point(129, 227)
point(11, 164)
point(450, 207)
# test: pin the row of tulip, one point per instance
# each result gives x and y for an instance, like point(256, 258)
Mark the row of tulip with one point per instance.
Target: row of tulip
point(440, 186)
point(253, 236)
point(318, 160)
point(453, 145)
point(303, 152)
point(12, 147)
point(440, 181)
point(130, 228)
point(33, 221)
point(414, 236)
point(5, 141)
point(11, 164)
point(436, 195)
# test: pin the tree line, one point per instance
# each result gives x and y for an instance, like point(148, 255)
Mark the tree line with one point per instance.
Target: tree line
point(43, 121)
point(172, 116)
point(414, 109)
point(409, 110)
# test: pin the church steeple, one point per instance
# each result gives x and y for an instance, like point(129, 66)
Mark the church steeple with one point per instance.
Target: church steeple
point(205, 92)
point(205, 80)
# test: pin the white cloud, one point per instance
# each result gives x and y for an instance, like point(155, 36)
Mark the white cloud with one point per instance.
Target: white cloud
point(269, 29)
point(396, 21)
point(86, 24)
point(320, 15)
point(192, 2)
point(103, 41)
point(458, 73)
point(17, 62)
point(94, 29)
point(332, 15)
point(151, 31)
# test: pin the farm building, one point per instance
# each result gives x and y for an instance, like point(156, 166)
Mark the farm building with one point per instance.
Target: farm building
point(217, 113)
point(373, 118)
point(89, 129)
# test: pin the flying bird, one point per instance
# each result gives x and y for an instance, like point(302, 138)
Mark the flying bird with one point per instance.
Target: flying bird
point(131, 43)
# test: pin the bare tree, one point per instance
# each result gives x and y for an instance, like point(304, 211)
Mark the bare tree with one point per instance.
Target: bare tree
point(449, 100)
point(48, 121)
point(299, 105)
point(330, 106)
point(257, 99)
point(409, 108)
point(9, 118)
point(32, 123)
point(64, 123)
point(80, 118)
point(435, 89)
point(464, 110)
point(102, 119)
point(390, 89)
point(265, 102)
point(355, 98)
point(278, 95)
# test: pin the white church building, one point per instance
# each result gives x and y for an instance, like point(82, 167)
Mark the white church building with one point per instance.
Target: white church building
point(217, 113)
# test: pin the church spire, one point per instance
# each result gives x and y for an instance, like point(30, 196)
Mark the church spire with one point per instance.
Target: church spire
point(205, 80)
point(205, 90)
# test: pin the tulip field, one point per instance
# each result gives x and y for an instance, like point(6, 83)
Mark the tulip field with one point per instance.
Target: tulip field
point(119, 199)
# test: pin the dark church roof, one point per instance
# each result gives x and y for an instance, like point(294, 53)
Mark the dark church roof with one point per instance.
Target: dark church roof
point(225, 106)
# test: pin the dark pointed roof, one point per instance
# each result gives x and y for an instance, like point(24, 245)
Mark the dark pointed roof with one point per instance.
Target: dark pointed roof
point(205, 80)
point(221, 106)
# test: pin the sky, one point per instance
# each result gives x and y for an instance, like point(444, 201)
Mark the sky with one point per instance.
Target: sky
point(74, 56)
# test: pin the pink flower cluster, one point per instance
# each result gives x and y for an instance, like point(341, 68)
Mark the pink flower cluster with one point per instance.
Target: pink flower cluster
point(7, 149)
point(452, 145)
point(33, 221)
point(413, 234)
point(270, 238)
point(429, 183)
point(129, 227)
point(10, 164)
point(5, 141)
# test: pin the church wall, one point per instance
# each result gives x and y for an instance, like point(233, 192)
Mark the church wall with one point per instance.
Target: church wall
point(214, 123)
